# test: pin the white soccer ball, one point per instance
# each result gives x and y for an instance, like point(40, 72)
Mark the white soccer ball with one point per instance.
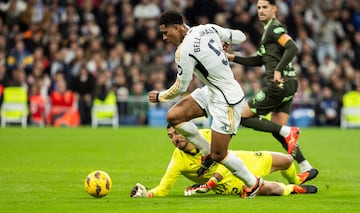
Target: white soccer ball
point(98, 184)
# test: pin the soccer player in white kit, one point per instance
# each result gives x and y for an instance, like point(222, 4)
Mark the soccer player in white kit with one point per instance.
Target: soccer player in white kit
point(199, 51)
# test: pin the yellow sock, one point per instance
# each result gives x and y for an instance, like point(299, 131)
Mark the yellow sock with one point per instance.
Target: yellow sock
point(287, 189)
point(290, 174)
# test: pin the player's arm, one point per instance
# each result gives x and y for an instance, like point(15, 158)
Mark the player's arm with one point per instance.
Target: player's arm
point(247, 61)
point(218, 175)
point(229, 36)
point(184, 76)
point(166, 182)
point(290, 50)
point(204, 188)
point(289, 53)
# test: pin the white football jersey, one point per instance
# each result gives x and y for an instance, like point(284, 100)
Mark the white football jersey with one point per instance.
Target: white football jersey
point(201, 53)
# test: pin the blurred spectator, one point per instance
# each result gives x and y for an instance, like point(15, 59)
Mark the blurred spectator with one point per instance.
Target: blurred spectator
point(241, 19)
point(338, 87)
point(139, 104)
point(60, 64)
point(3, 43)
point(130, 36)
point(37, 105)
point(327, 33)
point(13, 10)
point(190, 12)
point(356, 46)
point(77, 62)
point(90, 29)
point(327, 68)
point(83, 85)
point(133, 75)
point(39, 57)
point(102, 87)
point(38, 79)
point(35, 12)
point(252, 85)
point(178, 5)
point(168, 53)
point(345, 51)
point(305, 43)
point(19, 57)
point(122, 96)
point(112, 36)
point(94, 47)
point(3, 81)
point(18, 78)
point(113, 60)
point(124, 56)
point(302, 98)
point(63, 106)
point(327, 109)
point(96, 64)
point(146, 12)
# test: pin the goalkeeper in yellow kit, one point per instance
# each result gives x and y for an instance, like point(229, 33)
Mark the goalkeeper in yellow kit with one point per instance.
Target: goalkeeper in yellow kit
point(186, 160)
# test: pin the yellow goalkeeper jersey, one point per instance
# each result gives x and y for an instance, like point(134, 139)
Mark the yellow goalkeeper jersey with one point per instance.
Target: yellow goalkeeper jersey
point(187, 164)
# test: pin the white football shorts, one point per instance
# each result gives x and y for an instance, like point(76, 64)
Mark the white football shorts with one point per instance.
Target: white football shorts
point(225, 118)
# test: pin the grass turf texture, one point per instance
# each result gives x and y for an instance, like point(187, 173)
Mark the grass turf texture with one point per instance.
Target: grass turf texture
point(43, 170)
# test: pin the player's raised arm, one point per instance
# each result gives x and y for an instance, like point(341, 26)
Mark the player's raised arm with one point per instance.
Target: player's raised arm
point(229, 36)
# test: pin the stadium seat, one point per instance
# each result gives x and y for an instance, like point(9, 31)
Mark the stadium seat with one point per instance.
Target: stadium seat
point(157, 117)
point(350, 112)
point(104, 112)
point(15, 106)
point(302, 117)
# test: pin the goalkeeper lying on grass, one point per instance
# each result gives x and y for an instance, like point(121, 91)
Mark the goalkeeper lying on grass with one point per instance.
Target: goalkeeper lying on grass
point(186, 160)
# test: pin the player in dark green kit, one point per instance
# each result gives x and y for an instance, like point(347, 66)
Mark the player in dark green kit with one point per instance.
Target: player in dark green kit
point(276, 51)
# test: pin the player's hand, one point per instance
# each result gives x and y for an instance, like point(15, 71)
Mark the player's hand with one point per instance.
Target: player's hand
point(197, 188)
point(226, 47)
point(206, 164)
point(278, 80)
point(139, 190)
point(153, 96)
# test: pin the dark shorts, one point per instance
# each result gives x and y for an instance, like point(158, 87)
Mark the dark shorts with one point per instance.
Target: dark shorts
point(272, 98)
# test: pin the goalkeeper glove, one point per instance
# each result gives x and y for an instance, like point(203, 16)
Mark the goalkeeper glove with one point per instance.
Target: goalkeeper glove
point(139, 190)
point(206, 164)
point(201, 188)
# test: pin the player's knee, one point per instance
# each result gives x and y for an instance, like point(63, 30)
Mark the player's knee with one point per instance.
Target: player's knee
point(218, 156)
point(173, 118)
point(288, 159)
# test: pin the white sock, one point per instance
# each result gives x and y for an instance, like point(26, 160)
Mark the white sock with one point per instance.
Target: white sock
point(190, 131)
point(304, 166)
point(238, 168)
point(285, 131)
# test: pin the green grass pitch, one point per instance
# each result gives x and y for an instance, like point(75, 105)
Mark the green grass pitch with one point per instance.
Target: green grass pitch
point(43, 170)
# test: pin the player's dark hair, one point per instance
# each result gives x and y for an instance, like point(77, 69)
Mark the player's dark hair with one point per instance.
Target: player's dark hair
point(272, 2)
point(170, 17)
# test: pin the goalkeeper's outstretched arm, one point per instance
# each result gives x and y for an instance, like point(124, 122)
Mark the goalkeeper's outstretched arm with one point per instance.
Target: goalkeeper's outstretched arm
point(204, 188)
point(140, 190)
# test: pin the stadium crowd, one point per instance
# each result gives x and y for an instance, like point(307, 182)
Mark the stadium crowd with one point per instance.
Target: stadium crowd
point(72, 51)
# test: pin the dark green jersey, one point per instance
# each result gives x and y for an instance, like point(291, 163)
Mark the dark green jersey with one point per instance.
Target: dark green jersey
point(273, 54)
